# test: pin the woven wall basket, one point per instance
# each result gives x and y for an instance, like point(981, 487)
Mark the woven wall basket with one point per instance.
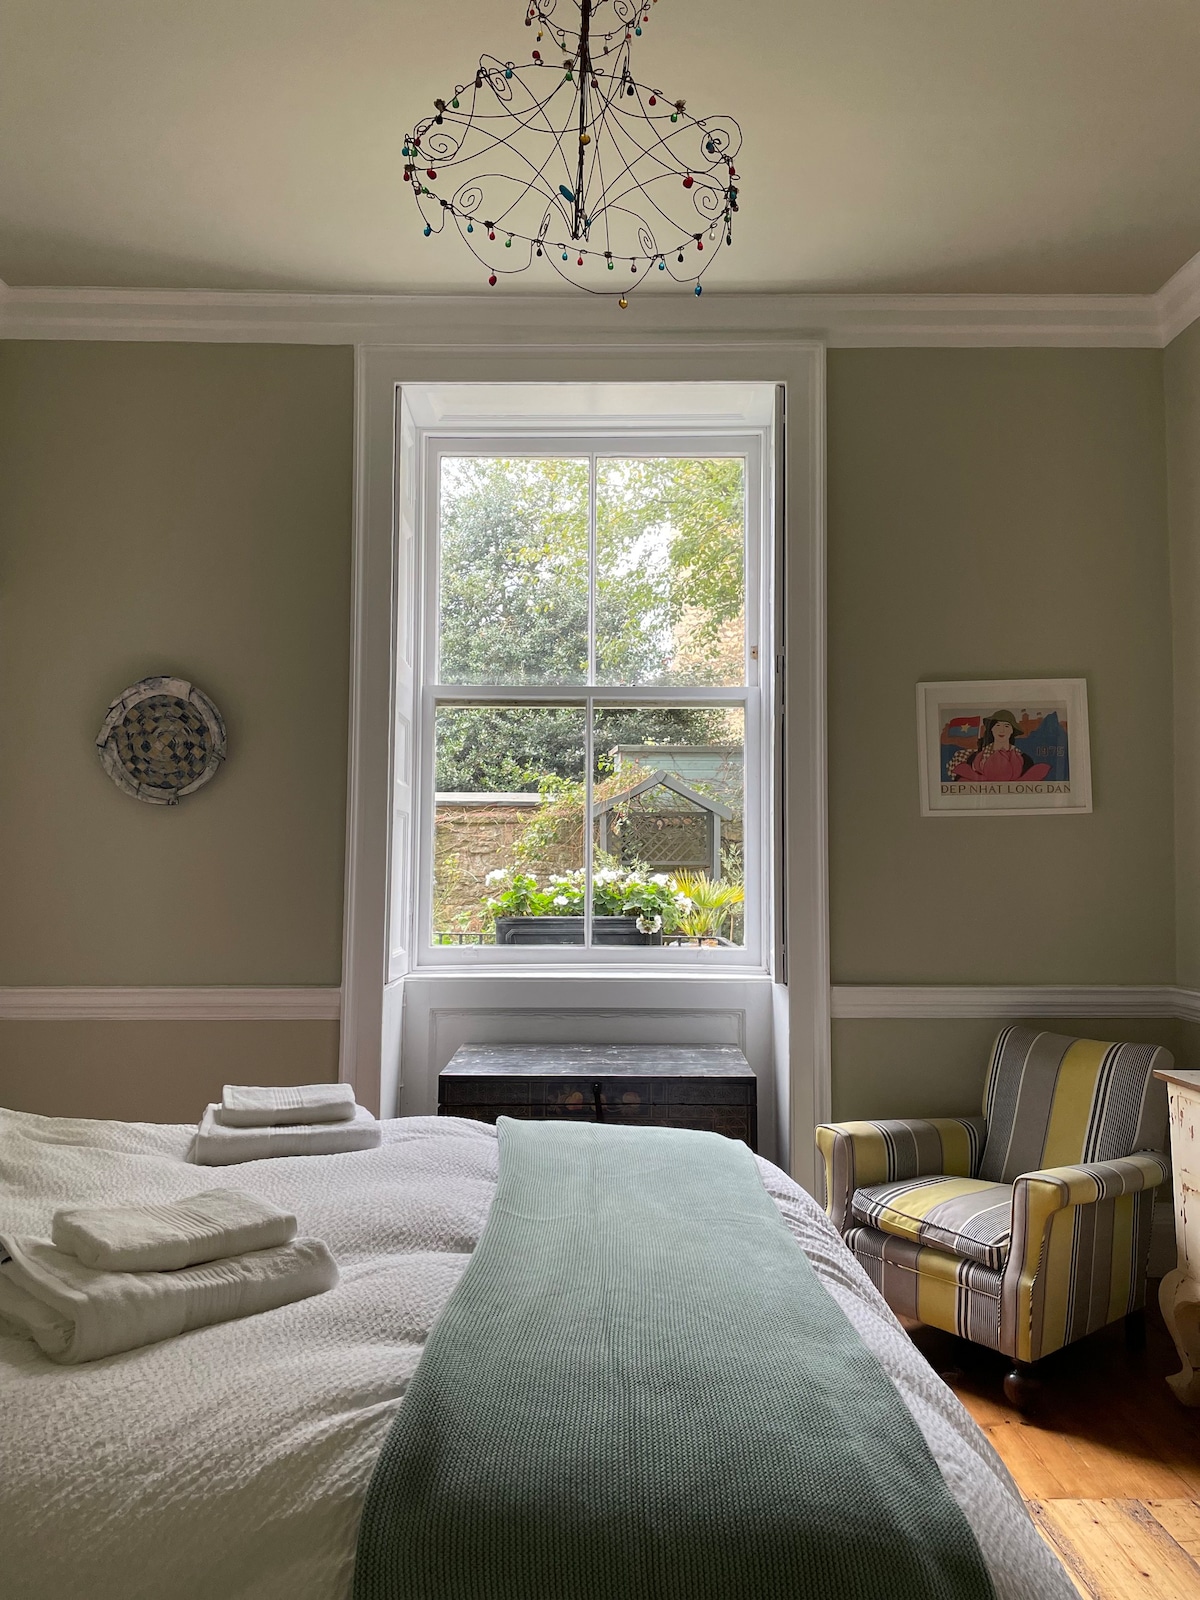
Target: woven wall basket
point(163, 738)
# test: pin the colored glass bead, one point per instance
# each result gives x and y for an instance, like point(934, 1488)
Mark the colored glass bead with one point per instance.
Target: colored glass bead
point(454, 102)
point(470, 227)
point(430, 173)
point(579, 263)
point(564, 255)
point(610, 266)
point(428, 230)
point(622, 302)
point(662, 266)
point(492, 281)
point(653, 100)
point(491, 233)
point(688, 181)
point(508, 244)
point(699, 288)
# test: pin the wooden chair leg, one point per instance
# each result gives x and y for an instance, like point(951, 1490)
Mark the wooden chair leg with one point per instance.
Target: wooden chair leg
point(1135, 1332)
point(1021, 1386)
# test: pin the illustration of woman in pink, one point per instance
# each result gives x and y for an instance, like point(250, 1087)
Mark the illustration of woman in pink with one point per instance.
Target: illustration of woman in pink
point(995, 758)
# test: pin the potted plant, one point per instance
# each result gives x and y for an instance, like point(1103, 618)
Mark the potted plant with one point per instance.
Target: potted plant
point(712, 902)
point(628, 907)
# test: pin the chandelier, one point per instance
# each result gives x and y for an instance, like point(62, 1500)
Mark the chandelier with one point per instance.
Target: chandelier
point(567, 159)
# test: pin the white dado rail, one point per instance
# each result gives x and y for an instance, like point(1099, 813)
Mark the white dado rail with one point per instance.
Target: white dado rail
point(170, 1005)
point(847, 1002)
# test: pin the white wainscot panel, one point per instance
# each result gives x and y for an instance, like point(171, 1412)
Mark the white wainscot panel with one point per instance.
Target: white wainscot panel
point(445, 1011)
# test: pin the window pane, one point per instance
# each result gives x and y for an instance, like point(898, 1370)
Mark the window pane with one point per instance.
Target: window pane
point(509, 825)
point(669, 819)
point(670, 571)
point(513, 582)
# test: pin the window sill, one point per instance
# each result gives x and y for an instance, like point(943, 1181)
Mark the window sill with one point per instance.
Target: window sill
point(592, 971)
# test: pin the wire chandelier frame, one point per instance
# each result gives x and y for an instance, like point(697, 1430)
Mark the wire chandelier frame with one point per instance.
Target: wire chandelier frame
point(573, 162)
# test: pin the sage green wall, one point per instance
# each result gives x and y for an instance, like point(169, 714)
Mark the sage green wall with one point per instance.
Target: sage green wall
point(154, 1071)
point(934, 1067)
point(184, 509)
point(1182, 386)
point(992, 514)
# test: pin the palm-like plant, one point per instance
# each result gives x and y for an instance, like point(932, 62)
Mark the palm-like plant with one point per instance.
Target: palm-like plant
point(712, 903)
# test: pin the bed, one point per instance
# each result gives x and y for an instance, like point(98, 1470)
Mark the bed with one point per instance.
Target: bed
point(232, 1463)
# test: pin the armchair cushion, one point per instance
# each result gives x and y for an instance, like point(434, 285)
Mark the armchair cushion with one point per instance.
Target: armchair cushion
point(962, 1215)
point(860, 1153)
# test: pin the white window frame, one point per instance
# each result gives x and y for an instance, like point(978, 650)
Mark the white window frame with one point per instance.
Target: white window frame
point(755, 446)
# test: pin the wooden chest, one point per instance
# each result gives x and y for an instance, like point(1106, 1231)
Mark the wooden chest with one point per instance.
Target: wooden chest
point(672, 1086)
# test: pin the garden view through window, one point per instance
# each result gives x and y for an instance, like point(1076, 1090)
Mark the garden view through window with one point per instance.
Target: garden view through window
point(592, 671)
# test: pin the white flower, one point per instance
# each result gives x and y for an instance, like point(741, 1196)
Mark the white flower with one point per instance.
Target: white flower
point(660, 878)
point(685, 902)
point(560, 900)
point(649, 924)
point(607, 875)
point(498, 876)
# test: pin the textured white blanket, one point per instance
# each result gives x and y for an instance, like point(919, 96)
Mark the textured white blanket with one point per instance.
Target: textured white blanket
point(230, 1463)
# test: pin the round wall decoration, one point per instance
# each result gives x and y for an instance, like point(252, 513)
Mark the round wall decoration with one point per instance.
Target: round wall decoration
point(162, 739)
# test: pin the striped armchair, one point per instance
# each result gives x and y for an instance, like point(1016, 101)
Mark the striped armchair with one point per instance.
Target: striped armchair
point(1025, 1228)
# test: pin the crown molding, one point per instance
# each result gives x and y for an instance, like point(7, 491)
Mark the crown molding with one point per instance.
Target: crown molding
point(433, 322)
point(169, 1005)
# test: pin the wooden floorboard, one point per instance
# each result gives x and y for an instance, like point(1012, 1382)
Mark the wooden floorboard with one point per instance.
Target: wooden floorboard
point(1108, 1461)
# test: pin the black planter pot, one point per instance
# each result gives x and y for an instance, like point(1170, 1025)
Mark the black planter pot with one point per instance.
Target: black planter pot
point(569, 930)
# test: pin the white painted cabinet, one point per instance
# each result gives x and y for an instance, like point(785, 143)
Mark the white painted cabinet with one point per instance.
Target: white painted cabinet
point(1179, 1295)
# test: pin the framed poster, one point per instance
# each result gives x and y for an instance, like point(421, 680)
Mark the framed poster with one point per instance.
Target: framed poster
point(1004, 745)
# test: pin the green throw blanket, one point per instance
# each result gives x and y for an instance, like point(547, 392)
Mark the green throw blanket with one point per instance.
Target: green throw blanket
point(640, 1391)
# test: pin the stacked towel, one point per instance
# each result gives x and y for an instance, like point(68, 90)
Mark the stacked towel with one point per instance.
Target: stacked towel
point(79, 1312)
point(163, 1238)
point(218, 1145)
point(243, 1106)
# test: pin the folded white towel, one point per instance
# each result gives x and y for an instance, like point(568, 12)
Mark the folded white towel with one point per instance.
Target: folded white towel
point(76, 1313)
point(162, 1238)
point(215, 1145)
point(244, 1106)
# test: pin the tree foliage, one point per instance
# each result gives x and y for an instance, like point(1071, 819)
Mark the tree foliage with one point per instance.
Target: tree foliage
point(513, 602)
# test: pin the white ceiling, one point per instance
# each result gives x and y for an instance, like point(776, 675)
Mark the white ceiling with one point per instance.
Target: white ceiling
point(971, 146)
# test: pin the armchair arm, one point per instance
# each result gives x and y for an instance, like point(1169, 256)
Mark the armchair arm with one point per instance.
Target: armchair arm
point(1040, 1305)
point(860, 1153)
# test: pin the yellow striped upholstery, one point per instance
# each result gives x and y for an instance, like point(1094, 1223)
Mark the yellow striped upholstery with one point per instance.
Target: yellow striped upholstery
point(964, 1215)
point(857, 1154)
point(1073, 1128)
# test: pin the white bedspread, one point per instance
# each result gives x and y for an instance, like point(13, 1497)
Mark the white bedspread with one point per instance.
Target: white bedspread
point(231, 1463)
